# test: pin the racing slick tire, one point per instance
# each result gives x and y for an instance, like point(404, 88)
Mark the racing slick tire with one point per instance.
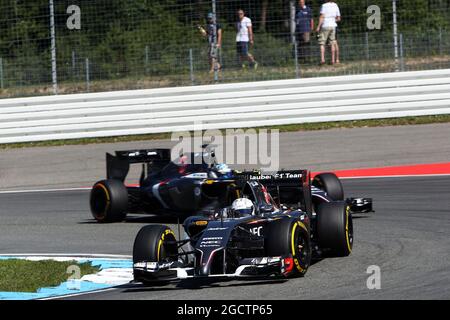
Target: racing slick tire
point(109, 201)
point(153, 244)
point(290, 237)
point(331, 184)
point(335, 228)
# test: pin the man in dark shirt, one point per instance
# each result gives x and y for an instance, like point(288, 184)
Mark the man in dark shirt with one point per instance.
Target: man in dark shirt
point(213, 33)
point(304, 25)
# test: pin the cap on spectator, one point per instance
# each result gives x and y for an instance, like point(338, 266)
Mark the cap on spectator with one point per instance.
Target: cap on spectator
point(210, 16)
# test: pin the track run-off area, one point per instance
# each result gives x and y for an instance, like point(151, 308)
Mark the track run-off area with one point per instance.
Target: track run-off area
point(407, 236)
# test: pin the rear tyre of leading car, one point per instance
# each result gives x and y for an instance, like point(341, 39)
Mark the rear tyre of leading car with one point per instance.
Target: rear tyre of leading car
point(335, 228)
point(109, 201)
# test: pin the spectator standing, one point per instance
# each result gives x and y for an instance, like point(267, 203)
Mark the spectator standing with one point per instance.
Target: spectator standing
point(329, 16)
point(336, 47)
point(245, 39)
point(304, 23)
point(213, 33)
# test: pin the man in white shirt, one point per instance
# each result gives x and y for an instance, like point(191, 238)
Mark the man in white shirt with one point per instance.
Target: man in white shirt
point(244, 37)
point(329, 16)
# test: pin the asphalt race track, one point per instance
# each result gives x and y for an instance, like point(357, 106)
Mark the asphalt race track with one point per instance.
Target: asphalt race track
point(335, 149)
point(407, 237)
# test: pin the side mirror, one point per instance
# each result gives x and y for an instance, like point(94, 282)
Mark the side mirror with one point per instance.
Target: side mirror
point(265, 210)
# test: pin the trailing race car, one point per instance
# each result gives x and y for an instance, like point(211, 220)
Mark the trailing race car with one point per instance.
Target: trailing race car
point(193, 183)
point(180, 188)
point(273, 225)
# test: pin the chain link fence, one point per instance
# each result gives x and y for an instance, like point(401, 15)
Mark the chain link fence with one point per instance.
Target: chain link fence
point(108, 45)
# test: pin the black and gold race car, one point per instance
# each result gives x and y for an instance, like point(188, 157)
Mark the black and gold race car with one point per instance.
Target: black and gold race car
point(179, 188)
point(288, 227)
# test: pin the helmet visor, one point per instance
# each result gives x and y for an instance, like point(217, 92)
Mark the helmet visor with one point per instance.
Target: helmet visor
point(244, 212)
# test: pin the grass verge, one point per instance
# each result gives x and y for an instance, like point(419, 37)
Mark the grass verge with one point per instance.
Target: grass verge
point(17, 275)
point(285, 128)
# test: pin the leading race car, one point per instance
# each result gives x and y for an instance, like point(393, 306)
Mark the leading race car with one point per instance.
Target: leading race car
point(193, 183)
point(273, 225)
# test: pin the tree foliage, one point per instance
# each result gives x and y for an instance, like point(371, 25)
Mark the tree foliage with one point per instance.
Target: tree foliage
point(119, 37)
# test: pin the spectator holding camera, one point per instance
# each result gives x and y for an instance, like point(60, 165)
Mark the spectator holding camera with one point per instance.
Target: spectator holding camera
point(213, 33)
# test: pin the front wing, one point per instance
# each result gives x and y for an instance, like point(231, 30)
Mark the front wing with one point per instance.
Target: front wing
point(248, 268)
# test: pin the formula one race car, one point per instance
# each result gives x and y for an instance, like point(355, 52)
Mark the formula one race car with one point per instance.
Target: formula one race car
point(191, 184)
point(274, 225)
point(179, 188)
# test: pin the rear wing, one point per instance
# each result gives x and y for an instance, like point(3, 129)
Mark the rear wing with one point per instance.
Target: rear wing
point(292, 188)
point(118, 166)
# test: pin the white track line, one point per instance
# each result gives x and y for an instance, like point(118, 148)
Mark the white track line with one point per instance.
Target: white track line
point(43, 190)
point(79, 294)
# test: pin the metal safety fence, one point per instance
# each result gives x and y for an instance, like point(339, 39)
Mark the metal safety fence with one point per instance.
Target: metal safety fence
point(71, 46)
point(241, 105)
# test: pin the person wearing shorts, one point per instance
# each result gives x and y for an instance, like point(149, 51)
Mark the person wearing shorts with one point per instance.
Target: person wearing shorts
point(336, 47)
point(244, 38)
point(242, 48)
point(329, 16)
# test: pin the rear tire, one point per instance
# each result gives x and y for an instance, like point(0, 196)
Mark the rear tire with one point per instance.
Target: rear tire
point(152, 244)
point(335, 228)
point(109, 201)
point(290, 237)
point(331, 184)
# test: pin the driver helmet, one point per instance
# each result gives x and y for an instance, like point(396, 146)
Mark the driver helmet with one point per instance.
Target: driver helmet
point(243, 207)
point(223, 169)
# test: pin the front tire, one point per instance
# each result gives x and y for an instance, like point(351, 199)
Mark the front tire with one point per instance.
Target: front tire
point(109, 201)
point(290, 237)
point(335, 228)
point(331, 184)
point(154, 243)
